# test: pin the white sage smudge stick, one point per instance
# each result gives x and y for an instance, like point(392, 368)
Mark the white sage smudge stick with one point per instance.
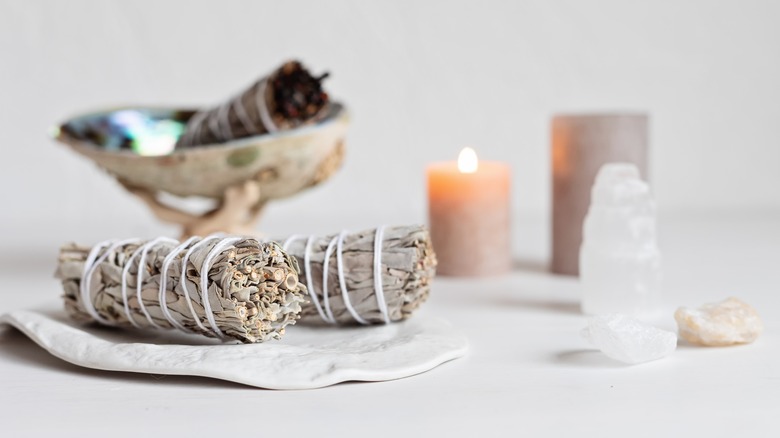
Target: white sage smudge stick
point(287, 98)
point(252, 290)
point(371, 277)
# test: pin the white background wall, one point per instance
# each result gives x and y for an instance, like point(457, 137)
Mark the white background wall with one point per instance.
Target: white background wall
point(423, 79)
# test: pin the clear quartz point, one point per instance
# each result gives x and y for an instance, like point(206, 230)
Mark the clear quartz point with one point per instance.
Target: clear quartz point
point(620, 263)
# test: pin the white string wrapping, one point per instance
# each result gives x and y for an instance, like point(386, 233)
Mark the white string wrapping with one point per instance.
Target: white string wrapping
point(94, 258)
point(218, 122)
point(243, 116)
point(125, 301)
point(197, 121)
point(326, 316)
point(183, 277)
point(140, 275)
point(290, 240)
point(204, 280)
point(325, 301)
point(164, 280)
point(90, 265)
point(310, 284)
point(224, 121)
point(342, 282)
point(378, 287)
point(262, 107)
point(337, 244)
point(224, 117)
point(213, 125)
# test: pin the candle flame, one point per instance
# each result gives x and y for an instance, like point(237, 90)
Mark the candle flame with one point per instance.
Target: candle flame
point(468, 161)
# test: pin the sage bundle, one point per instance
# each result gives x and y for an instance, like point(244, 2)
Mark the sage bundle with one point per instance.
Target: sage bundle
point(225, 287)
point(287, 98)
point(371, 277)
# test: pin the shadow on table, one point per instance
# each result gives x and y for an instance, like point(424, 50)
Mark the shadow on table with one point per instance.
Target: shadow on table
point(17, 348)
point(586, 359)
point(530, 265)
point(567, 307)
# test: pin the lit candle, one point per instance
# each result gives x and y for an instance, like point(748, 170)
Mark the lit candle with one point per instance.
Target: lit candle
point(468, 207)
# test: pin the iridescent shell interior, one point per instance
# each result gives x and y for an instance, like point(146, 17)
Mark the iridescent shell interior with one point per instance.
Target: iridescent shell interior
point(145, 131)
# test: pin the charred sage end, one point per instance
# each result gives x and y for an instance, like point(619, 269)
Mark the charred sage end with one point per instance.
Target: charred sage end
point(287, 98)
point(297, 94)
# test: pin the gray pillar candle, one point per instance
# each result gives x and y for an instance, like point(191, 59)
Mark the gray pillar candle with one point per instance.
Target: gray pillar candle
point(581, 144)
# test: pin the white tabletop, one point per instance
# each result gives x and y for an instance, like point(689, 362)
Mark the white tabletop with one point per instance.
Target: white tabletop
point(528, 371)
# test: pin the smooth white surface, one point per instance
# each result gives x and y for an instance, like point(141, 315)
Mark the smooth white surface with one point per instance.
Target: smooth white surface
point(307, 357)
point(423, 79)
point(528, 372)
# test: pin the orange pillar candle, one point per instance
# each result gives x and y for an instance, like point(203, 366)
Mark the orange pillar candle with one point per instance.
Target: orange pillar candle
point(468, 210)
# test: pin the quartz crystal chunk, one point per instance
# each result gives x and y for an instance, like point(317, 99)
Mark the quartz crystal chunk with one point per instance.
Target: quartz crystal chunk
point(620, 263)
point(731, 321)
point(628, 340)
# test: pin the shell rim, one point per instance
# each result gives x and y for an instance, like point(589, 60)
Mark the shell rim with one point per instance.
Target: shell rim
point(336, 112)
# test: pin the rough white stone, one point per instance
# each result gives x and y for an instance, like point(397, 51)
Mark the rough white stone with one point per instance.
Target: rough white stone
point(620, 263)
point(307, 356)
point(628, 340)
point(731, 321)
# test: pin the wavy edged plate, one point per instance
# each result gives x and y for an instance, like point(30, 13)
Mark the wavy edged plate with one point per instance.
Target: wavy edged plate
point(308, 357)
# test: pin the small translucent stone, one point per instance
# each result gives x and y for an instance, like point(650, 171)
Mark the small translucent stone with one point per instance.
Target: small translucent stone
point(731, 321)
point(626, 339)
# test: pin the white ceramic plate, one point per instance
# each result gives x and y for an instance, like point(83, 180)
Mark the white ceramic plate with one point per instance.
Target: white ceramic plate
point(307, 357)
